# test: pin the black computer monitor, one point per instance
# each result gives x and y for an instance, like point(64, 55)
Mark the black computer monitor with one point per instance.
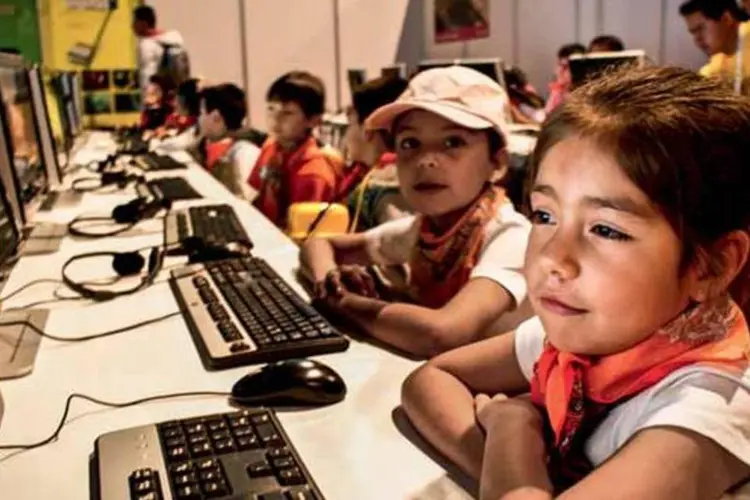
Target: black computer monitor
point(397, 70)
point(584, 67)
point(356, 78)
point(8, 182)
point(28, 162)
point(47, 145)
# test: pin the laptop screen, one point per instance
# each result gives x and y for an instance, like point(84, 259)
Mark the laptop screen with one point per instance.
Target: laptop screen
point(11, 218)
point(44, 129)
point(585, 67)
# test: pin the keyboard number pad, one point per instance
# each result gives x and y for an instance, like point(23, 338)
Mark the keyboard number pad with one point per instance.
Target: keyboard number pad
point(144, 485)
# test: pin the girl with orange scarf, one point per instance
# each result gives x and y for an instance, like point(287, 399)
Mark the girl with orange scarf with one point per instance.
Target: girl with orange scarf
point(633, 380)
point(463, 247)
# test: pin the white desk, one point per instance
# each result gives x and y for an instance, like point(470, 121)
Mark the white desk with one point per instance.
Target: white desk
point(353, 449)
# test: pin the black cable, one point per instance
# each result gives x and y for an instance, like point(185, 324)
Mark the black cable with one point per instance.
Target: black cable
point(27, 286)
point(73, 230)
point(110, 404)
point(93, 336)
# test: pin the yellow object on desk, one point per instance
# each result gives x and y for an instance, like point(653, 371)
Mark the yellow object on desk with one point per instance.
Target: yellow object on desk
point(317, 219)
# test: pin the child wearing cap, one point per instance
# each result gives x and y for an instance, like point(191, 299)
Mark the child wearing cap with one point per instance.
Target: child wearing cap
point(464, 246)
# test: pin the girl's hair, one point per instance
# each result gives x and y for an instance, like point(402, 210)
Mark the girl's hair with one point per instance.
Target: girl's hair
point(681, 138)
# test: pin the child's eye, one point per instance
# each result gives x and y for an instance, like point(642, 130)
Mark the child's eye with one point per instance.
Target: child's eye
point(408, 143)
point(610, 233)
point(541, 217)
point(454, 141)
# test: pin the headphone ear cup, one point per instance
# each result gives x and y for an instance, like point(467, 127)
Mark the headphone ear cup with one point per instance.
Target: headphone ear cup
point(128, 263)
point(129, 212)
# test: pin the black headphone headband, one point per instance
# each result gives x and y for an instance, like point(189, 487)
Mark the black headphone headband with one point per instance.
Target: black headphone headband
point(124, 264)
point(129, 213)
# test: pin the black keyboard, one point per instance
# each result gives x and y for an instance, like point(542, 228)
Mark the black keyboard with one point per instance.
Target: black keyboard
point(133, 146)
point(215, 225)
point(173, 188)
point(239, 455)
point(153, 162)
point(240, 312)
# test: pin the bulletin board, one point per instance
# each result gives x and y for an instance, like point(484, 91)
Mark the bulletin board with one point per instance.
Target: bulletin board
point(19, 28)
point(94, 38)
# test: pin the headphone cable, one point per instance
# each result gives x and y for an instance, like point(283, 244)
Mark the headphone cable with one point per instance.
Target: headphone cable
point(94, 336)
point(159, 397)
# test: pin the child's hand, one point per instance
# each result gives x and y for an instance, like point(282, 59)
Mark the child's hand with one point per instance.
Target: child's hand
point(346, 279)
point(501, 408)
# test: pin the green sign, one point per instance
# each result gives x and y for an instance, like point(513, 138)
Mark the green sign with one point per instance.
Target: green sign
point(19, 28)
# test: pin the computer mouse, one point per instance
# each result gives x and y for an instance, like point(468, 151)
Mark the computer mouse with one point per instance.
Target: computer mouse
point(293, 382)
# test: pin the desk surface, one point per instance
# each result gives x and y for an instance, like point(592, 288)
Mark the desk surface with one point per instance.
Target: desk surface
point(358, 449)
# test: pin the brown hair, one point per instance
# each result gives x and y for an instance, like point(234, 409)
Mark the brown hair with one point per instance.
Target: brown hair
point(683, 139)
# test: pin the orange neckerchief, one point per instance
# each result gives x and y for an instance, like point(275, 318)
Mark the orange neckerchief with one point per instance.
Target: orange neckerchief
point(576, 392)
point(276, 167)
point(441, 264)
point(216, 150)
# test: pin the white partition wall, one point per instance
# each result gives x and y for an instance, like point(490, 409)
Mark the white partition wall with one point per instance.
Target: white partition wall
point(528, 33)
point(212, 34)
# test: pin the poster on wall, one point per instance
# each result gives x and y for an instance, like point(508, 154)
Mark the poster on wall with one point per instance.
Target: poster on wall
point(461, 20)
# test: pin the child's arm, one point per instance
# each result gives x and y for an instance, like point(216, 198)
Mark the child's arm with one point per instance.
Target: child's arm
point(439, 396)
point(427, 332)
point(663, 462)
point(322, 255)
point(514, 463)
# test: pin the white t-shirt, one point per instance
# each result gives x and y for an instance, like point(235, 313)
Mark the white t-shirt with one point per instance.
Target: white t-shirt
point(500, 258)
point(707, 401)
point(235, 166)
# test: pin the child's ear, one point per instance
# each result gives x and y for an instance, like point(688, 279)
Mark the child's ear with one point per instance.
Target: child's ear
point(717, 269)
point(500, 161)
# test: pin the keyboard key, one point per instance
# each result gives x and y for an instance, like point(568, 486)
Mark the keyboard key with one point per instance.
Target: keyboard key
point(239, 421)
point(260, 418)
point(259, 469)
point(248, 443)
point(207, 464)
point(278, 453)
point(291, 477)
point(190, 492)
point(300, 494)
point(243, 431)
point(178, 453)
point(181, 468)
point(201, 450)
point(283, 463)
point(195, 428)
point(214, 489)
point(211, 475)
point(268, 434)
point(216, 425)
point(184, 479)
point(224, 446)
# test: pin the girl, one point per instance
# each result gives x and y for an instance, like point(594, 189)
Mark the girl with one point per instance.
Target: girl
point(464, 248)
point(157, 105)
point(637, 361)
point(180, 131)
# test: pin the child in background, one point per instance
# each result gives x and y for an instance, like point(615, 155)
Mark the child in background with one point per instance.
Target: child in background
point(637, 361)
point(561, 87)
point(180, 131)
point(293, 167)
point(371, 177)
point(222, 111)
point(606, 43)
point(465, 247)
point(157, 105)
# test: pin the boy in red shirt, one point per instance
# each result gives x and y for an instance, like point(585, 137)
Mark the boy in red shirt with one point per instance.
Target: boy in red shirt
point(293, 167)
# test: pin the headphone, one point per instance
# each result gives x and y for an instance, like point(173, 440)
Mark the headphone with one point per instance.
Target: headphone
point(90, 184)
point(124, 264)
point(129, 213)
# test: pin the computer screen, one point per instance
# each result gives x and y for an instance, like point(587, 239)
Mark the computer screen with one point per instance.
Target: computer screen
point(46, 140)
point(11, 213)
point(584, 67)
point(24, 138)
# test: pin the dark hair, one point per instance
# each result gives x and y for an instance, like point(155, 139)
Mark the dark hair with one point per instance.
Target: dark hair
point(609, 42)
point(145, 14)
point(679, 137)
point(188, 95)
point(229, 100)
point(166, 84)
point(301, 87)
point(713, 9)
point(569, 49)
point(376, 93)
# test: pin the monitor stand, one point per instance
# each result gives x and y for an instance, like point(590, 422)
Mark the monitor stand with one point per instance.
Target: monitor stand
point(19, 344)
point(43, 238)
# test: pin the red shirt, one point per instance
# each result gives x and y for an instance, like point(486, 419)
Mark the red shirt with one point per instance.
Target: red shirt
point(180, 122)
point(286, 177)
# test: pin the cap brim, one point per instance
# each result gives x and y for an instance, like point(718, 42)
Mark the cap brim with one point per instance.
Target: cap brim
point(383, 118)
